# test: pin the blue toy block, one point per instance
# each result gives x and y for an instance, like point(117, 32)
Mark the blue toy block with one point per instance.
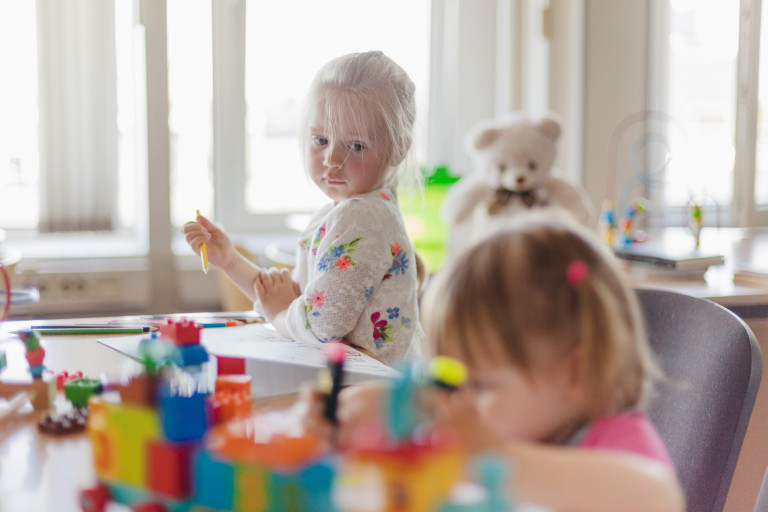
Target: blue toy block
point(214, 482)
point(183, 418)
point(401, 408)
point(37, 371)
point(190, 355)
point(310, 489)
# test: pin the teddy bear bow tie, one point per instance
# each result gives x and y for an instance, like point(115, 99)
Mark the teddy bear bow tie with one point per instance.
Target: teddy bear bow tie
point(503, 196)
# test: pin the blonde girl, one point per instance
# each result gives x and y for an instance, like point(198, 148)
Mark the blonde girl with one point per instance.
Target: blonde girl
point(355, 278)
point(559, 368)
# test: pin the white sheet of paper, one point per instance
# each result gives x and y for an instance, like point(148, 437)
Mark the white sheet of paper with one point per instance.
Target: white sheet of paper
point(277, 364)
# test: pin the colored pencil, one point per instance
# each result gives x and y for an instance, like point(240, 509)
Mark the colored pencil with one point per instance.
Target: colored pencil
point(203, 253)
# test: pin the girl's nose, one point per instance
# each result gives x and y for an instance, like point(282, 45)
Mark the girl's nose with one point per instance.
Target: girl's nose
point(334, 156)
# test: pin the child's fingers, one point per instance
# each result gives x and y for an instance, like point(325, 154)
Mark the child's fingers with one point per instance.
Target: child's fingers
point(207, 224)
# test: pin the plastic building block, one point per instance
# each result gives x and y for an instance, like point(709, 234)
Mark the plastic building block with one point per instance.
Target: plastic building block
point(94, 499)
point(252, 488)
point(169, 469)
point(191, 355)
point(229, 365)
point(139, 390)
point(64, 376)
point(36, 357)
point(307, 489)
point(133, 428)
point(182, 332)
point(214, 482)
point(3, 361)
point(234, 383)
point(227, 406)
point(78, 391)
point(183, 418)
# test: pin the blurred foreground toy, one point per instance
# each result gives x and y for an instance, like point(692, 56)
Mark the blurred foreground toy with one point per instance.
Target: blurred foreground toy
point(183, 446)
point(40, 385)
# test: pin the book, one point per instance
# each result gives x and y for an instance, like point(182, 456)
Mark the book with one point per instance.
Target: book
point(680, 259)
point(750, 276)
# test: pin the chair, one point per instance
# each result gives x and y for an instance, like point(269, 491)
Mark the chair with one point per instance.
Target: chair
point(713, 367)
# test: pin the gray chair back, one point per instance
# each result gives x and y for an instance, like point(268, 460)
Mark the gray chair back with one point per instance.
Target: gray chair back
point(713, 366)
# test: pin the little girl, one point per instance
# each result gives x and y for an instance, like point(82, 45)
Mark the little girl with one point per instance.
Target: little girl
point(558, 370)
point(355, 278)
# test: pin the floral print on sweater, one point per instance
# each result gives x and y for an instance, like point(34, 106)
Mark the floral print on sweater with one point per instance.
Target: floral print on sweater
point(358, 281)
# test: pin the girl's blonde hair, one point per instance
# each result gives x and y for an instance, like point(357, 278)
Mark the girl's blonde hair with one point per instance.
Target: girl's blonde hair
point(379, 97)
point(517, 288)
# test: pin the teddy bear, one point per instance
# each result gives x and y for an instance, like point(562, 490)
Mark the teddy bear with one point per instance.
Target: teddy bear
point(513, 159)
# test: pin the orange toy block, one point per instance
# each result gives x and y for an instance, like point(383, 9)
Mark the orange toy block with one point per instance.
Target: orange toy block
point(169, 468)
point(234, 383)
point(416, 479)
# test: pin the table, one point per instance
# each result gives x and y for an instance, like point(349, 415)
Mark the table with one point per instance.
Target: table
point(46, 473)
point(739, 246)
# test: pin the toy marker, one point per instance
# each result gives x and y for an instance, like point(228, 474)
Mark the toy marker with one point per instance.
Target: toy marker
point(335, 353)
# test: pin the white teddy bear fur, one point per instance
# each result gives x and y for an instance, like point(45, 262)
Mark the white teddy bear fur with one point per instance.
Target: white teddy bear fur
point(513, 160)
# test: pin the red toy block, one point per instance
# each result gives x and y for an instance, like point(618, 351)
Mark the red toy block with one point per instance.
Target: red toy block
point(182, 332)
point(230, 365)
point(36, 357)
point(169, 468)
point(94, 499)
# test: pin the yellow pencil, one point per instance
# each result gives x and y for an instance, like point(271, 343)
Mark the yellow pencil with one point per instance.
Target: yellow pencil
point(203, 253)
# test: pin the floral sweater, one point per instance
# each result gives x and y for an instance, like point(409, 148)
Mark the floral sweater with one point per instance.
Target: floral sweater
point(357, 272)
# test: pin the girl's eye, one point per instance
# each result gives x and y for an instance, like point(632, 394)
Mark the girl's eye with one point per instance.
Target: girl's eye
point(320, 141)
point(356, 146)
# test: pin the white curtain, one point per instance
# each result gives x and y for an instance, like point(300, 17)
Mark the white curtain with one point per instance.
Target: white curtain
point(78, 115)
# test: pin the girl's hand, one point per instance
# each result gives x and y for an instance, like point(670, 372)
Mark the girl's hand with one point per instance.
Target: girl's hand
point(360, 413)
point(221, 250)
point(275, 290)
point(455, 414)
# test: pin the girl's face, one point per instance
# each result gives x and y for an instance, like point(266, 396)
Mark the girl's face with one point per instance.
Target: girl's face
point(541, 406)
point(343, 162)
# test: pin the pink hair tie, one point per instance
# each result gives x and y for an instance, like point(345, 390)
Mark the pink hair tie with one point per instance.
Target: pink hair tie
point(575, 272)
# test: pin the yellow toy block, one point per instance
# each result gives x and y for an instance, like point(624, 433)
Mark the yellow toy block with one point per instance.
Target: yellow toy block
point(134, 426)
point(411, 482)
point(251, 489)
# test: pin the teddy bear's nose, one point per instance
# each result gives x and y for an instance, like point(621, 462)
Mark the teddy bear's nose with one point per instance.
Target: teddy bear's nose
point(521, 180)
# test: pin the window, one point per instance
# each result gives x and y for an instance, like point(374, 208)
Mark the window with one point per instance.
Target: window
point(705, 152)
point(18, 116)
point(88, 172)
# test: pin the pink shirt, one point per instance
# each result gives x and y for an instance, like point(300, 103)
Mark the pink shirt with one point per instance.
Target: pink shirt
point(627, 431)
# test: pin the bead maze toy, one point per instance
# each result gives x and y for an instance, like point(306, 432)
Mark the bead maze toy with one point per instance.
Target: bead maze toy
point(176, 444)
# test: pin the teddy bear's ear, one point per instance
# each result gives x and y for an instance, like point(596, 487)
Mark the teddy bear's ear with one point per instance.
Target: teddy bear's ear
point(482, 137)
point(550, 127)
